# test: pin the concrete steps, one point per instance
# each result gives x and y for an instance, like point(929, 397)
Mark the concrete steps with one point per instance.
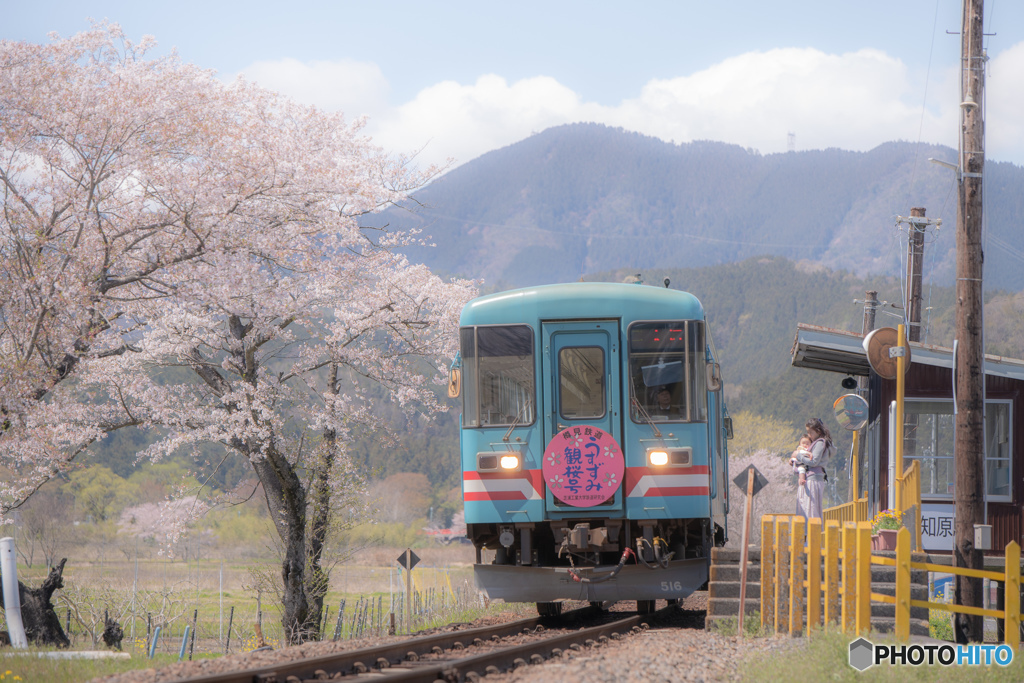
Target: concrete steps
point(724, 591)
point(724, 587)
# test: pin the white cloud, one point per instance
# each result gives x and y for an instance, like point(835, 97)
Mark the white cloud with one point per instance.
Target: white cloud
point(355, 88)
point(464, 121)
point(854, 101)
point(1004, 90)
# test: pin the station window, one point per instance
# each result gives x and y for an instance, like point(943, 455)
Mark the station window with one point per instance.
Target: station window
point(928, 438)
point(498, 375)
point(667, 371)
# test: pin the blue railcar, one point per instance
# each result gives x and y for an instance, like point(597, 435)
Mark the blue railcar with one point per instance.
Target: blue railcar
point(594, 455)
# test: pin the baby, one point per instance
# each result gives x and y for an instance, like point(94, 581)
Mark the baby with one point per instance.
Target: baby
point(804, 449)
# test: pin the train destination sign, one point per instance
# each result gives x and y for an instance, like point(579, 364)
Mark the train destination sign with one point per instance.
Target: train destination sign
point(583, 466)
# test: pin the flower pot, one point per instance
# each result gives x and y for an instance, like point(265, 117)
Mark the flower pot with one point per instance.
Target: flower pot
point(876, 542)
point(887, 538)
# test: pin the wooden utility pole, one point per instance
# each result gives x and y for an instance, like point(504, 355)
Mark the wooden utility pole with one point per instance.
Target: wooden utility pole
point(912, 304)
point(912, 307)
point(870, 306)
point(859, 449)
point(969, 378)
point(915, 259)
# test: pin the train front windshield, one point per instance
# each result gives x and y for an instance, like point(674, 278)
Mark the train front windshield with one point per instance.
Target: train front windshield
point(667, 371)
point(498, 370)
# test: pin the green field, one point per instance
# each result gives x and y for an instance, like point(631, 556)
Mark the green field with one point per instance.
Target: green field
point(169, 594)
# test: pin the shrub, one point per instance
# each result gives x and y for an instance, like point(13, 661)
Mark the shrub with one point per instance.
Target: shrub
point(887, 519)
point(940, 624)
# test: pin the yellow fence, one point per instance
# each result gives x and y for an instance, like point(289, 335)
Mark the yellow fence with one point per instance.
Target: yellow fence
point(909, 492)
point(909, 486)
point(813, 574)
point(854, 511)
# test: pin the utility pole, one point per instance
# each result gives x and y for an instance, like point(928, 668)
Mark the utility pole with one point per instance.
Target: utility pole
point(860, 451)
point(912, 306)
point(870, 305)
point(969, 377)
point(915, 257)
point(915, 264)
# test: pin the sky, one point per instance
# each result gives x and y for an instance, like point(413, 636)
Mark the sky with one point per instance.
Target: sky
point(454, 80)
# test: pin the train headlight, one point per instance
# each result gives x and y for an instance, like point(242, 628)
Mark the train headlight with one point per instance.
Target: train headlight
point(510, 461)
point(670, 457)
point(657, 458)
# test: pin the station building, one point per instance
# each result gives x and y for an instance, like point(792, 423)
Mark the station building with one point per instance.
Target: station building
point(928, 431)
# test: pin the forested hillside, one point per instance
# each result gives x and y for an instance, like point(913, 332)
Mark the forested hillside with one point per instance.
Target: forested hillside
point(764, 241)
point(753, 307)
point(585, 198)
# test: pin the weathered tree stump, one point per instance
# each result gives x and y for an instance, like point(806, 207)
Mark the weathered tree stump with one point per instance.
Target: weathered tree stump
point(42, 626)
point(112, 633)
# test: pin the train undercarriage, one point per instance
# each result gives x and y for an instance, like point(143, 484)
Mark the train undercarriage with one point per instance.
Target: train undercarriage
point(598, 560)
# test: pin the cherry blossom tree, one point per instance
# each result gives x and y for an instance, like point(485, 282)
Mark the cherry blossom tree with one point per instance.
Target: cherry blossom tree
point(184, 256)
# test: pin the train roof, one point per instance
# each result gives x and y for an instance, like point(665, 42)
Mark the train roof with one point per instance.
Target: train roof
point(582, 300)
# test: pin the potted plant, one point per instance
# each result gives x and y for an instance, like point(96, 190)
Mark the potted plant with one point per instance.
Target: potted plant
point(885, 526)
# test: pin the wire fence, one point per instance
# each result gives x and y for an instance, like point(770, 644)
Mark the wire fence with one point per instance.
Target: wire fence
point(184, 621)
point(350, 618)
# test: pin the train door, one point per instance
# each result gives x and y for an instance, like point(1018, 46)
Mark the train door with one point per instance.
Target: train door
point(717, 453)
point(581, 362)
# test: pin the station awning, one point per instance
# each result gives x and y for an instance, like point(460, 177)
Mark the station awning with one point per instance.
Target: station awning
point(824, 348)
point(832, 350)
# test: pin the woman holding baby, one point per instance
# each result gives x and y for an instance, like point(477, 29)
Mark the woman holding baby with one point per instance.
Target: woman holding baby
point(811, 458)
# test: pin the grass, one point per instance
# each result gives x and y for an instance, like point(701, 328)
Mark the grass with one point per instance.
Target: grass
point(940, 624)
point(751, 625)
point(825, 657)
point(172, 591)
point(29, 667)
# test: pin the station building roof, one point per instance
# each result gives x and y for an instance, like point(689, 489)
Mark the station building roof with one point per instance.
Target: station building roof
point(832, 350)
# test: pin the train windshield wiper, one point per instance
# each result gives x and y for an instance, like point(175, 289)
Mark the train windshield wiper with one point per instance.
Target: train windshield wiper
point(645, 416)
point(519, 415)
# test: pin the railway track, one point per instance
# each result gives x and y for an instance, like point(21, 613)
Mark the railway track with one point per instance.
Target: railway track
point(452, 656)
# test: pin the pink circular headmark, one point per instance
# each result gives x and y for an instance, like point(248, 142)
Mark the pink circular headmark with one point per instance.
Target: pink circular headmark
point(583, 466)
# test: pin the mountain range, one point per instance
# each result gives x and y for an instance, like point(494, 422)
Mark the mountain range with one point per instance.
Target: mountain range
point(583, 198)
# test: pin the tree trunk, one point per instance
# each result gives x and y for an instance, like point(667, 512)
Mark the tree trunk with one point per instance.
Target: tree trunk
point(113, 634)
point(286, 499)
point(318, 580)
point(42, 625)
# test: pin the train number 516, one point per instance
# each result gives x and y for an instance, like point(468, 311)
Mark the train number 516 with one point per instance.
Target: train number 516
point(671, 585)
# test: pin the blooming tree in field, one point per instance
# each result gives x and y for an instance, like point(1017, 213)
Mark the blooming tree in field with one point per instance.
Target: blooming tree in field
point(777, 498)
point(765, 443)
point(184, 255)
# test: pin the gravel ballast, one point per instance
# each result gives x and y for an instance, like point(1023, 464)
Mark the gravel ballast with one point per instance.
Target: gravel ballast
point(674, 648)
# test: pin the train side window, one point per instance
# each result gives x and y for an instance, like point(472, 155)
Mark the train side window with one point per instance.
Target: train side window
point(498, 372)
point(470, 404)
point(698, 376)
point(581, 382)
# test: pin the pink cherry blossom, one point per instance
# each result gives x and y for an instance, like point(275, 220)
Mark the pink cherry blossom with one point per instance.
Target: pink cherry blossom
point(182, 255)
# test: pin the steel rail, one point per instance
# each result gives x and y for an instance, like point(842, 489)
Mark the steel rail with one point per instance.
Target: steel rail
point(498, 661)
point(346, 662)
